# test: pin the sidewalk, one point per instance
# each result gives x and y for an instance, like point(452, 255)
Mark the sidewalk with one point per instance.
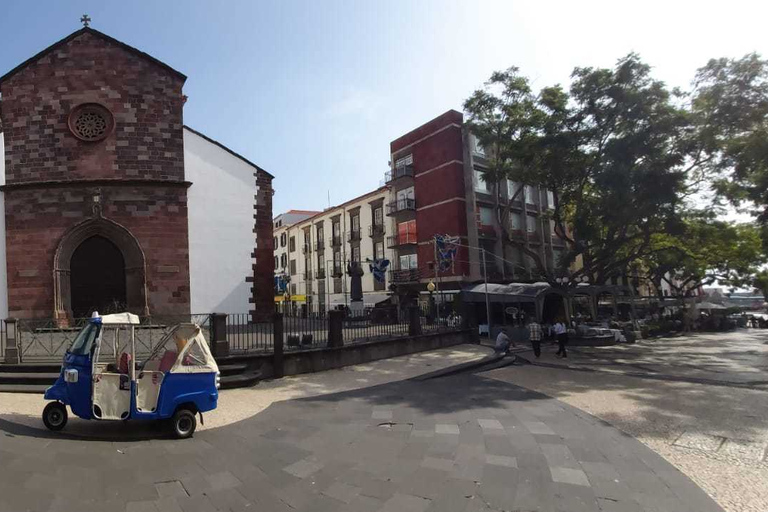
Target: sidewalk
point(238, 404)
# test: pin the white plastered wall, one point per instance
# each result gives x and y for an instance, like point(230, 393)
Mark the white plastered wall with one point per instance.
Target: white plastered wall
point(221, 238)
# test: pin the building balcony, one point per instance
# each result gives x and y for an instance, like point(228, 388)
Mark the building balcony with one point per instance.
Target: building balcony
point(353, 236)
point(404, 276)
point(375, 230)
point(319, 245)
point(336, 241)
point(401, 205)
point(320, 273)
point(400, 240)
point(400, 172)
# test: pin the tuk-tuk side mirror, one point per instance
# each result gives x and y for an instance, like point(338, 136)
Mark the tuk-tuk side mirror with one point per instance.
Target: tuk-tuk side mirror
point(71, 375)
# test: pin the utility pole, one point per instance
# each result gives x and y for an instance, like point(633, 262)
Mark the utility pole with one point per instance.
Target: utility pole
point(487, 303)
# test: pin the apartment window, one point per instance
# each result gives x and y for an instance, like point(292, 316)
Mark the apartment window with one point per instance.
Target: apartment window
point(513, 187)
point(283, 260)
point(531, 195)
point(274, 242)
point(293, 267)
point(406, 232)
point(293, 289)
point(516, 221)
point(531, 224)
point(277, 263)
point(283, 240)
point(486, 216)
point(402, 195)
point(307, 265)
point(356, 223)
point(337, 262)
point(409, 261)
point(356, 254)
point(292, 244)
point(480, 184)
point(378, 250)
point(319, 232)
point(404, 161)
point(378, 216)
point(336, 229)
point(550, 200)
point(477, 147)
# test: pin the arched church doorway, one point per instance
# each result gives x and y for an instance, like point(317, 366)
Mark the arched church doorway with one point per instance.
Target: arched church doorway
point(97, 278)
point(98, 265)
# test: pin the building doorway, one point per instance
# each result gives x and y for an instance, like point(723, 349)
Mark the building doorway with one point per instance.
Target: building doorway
point(97, 278)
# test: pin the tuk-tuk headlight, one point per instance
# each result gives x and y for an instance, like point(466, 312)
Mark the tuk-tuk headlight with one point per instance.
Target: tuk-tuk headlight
point(70, 375)
point(218, 380)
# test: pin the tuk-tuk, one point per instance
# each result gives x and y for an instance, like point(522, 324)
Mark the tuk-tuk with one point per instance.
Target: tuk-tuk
point(103, 378)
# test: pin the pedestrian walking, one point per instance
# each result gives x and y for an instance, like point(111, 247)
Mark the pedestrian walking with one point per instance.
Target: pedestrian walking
point(534, 334)
point(502, 342)
point(562, 338)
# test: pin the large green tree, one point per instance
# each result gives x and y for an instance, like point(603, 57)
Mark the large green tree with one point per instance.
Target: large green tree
point(704, 251)
point(729, 106)
point(614, 151)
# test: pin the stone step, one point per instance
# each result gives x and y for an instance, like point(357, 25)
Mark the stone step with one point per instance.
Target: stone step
point(241, 380)
point(30, 368)
point(32, 378)
point(232, 369)
point(23, 388)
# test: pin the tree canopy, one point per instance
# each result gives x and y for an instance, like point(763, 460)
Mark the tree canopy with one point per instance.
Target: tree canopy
point(612, 150)
point(623, 155)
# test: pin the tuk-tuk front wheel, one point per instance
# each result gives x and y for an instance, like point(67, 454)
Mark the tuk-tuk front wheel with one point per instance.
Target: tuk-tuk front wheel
point(184, 423)
point(55, 416)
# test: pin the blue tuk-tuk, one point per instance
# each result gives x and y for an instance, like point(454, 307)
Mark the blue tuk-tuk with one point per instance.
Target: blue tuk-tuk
point(101, 377)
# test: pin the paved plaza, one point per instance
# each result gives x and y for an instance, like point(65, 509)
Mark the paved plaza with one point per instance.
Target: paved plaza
point(460, 443)
point(701, 401)
point(463, 442)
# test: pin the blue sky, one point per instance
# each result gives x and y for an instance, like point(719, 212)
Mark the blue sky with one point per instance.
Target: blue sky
point(314, 91)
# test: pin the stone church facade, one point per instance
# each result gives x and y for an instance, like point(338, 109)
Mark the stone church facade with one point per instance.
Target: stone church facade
point(96, 197)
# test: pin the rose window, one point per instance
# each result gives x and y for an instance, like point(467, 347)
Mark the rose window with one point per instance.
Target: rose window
point(90, 122)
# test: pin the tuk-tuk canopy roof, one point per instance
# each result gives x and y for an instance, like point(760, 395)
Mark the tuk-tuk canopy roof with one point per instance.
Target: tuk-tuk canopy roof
point(120, 319)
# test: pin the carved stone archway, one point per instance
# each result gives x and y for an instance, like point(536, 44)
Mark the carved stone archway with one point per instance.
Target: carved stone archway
point(135, 267)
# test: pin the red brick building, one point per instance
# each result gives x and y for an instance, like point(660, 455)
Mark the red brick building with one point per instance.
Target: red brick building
point(96, 195)
point(437, 188)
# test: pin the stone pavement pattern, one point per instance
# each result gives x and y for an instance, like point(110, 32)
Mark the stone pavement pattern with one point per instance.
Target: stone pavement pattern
point(238, 404)
point(696, 400)
point(460, 443)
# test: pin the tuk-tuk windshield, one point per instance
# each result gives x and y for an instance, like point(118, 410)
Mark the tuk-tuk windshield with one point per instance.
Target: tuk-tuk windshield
point(84, 340)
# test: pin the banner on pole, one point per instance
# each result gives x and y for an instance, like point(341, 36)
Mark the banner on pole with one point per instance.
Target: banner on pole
point(447, 247)
point(378, 268)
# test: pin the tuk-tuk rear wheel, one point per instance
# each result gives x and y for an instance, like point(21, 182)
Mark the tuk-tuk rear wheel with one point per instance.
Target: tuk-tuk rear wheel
point(184, 423)
point(55, 416)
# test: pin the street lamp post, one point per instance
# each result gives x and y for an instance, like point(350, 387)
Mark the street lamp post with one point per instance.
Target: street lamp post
point(431, 290)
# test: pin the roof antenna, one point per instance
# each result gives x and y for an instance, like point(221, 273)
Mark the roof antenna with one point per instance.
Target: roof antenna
point(329, 198)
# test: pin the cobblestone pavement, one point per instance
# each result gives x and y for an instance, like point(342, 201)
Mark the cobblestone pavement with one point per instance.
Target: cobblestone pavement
point(698, 400)
point(459, 443)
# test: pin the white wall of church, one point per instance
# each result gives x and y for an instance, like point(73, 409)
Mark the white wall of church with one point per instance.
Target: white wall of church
point(3, 267)
point(221, 239)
